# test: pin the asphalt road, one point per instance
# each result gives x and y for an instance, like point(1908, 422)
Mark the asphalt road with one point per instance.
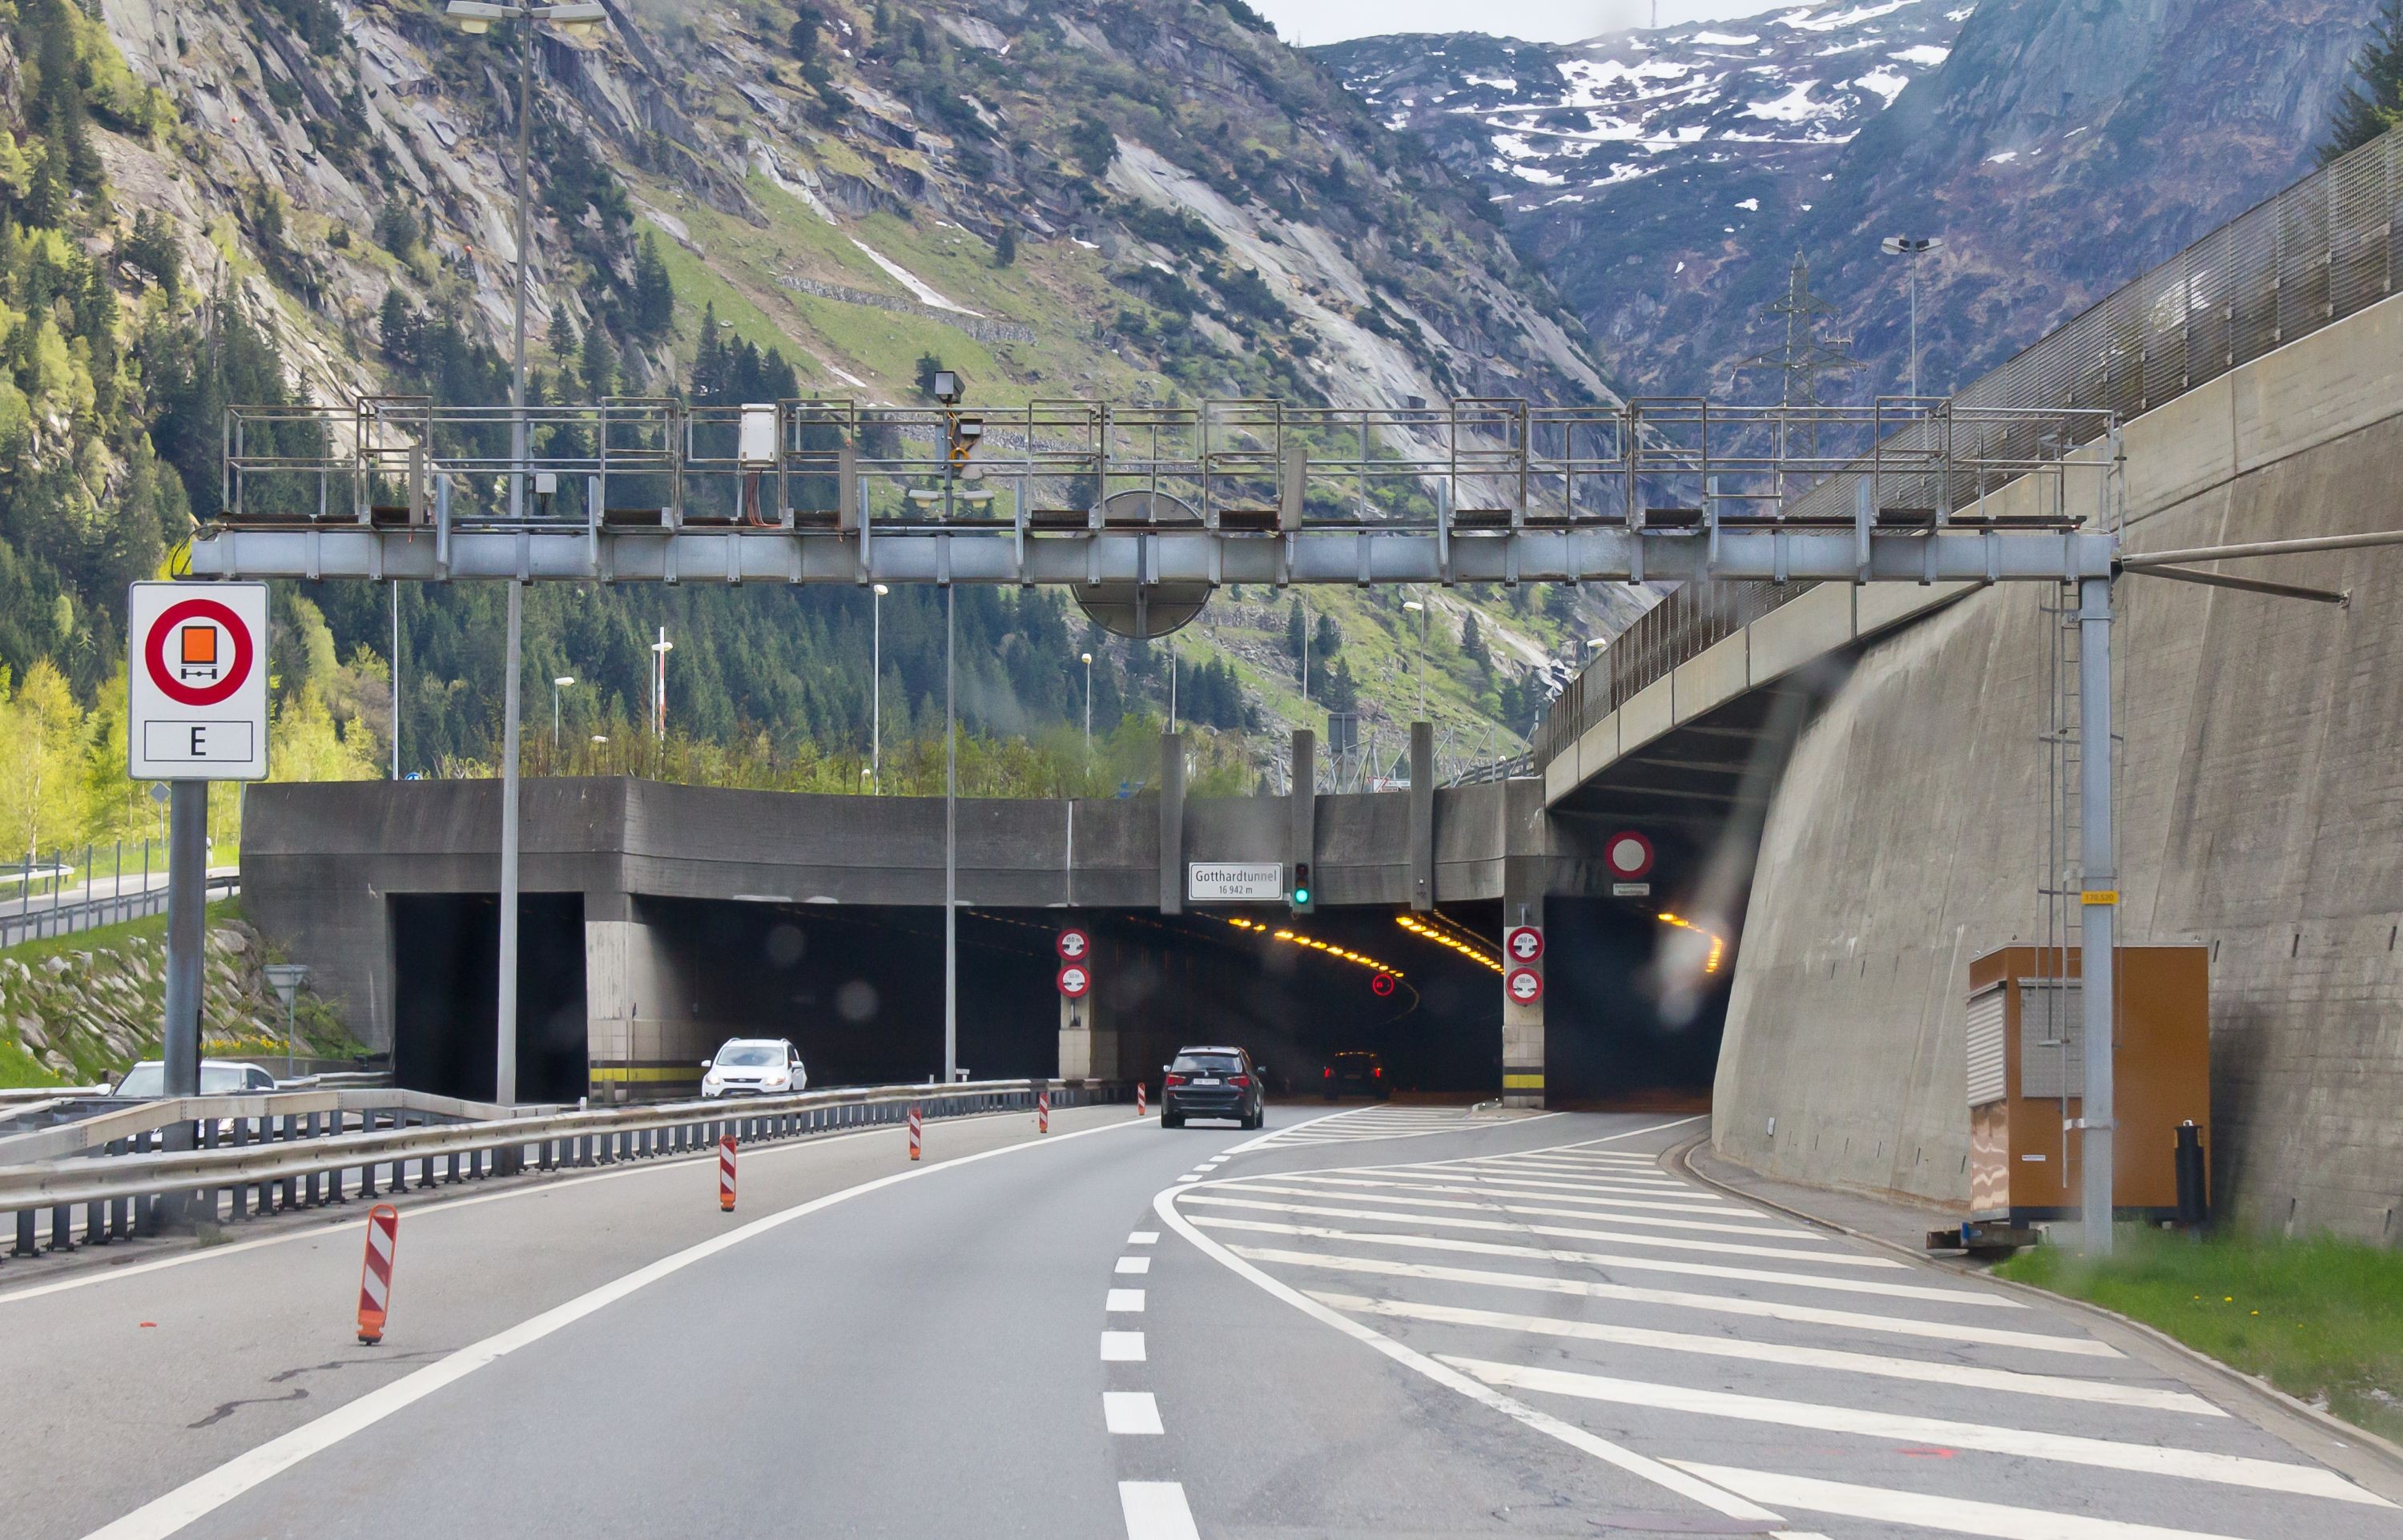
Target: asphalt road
point(1394, 1321)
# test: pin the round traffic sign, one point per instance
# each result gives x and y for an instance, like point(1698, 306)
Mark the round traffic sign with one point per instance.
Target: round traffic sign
point(1628, 855)
point(1524, 943)
point(1074, 944)
point(1382, 984)
point(1074, 979)
point(214, 650)
point(1524, 986)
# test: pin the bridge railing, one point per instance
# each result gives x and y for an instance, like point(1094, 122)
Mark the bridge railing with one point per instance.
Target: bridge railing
point(2321, 250)
point(255, 1160)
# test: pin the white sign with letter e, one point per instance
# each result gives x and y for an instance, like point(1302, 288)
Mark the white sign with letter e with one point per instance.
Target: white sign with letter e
point(197, 681)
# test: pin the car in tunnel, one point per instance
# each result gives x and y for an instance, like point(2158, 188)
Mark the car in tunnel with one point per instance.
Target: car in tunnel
point(1212, 1082)
point(1355, 1074)
point(753, 1066)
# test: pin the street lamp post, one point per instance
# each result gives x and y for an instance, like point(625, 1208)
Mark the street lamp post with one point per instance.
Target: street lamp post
point(1912, 248)
point(876, 691)
point(558, 683)
point(1088, 710)
point(1414, 604)
point(659, 650)
point(478, 16)
point(951, 847)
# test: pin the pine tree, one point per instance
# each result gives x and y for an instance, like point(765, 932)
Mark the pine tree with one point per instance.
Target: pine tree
point(928, 366)
point(1327, 639)
point(600, 365)
point(1297, 631)
point(1004, 246)
point(1472, 643)
point(654, 291)
point(2373, 103)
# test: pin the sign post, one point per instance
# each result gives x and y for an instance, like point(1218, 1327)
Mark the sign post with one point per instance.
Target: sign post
point(196, 712)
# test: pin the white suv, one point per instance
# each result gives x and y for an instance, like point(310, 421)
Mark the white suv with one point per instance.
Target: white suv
point(753, 1066)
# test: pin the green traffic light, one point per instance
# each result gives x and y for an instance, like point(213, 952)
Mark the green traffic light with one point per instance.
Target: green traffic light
point(1302, 895)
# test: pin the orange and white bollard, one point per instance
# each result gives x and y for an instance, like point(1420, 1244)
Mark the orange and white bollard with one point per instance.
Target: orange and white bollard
point(1138, 1099)
point(725, 1174)
point(916, 1133)
point(1043, 1112)
point(375, 1273)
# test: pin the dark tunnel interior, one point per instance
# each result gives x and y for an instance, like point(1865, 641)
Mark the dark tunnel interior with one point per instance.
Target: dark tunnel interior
point(860, 990)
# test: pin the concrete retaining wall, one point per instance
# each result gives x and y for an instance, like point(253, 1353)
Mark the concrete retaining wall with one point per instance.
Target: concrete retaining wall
point(2260, 806)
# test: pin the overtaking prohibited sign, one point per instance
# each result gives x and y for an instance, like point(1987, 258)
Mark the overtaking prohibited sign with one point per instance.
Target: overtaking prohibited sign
point(197, 682)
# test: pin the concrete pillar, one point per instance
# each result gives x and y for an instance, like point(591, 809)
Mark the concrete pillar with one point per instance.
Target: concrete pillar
point(1301, 841)
point(1087, 1049)
point(1423, 817)
point(1171, 823)
point(641, 1038)
point(1525, 872)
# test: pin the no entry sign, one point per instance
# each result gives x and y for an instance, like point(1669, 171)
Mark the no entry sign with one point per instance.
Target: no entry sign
point(1074, 944)
point(1524, 986)
point(1628, 855)
point(1074, 979)
point(1524, 943)
point(197, 682)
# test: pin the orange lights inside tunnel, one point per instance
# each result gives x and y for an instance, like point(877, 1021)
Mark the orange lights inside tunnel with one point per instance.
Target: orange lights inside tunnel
point(1312, 943)
point(1718, 953)
point(1443, 933)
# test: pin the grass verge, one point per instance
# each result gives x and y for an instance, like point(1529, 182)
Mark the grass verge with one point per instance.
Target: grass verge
point(2321, 1319)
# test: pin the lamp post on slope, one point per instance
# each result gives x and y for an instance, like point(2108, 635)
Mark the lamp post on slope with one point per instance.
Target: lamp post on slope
point(1912, 248)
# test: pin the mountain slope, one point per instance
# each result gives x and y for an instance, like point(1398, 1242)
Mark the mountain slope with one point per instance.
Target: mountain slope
point(2058, 146)
point(1145, 200)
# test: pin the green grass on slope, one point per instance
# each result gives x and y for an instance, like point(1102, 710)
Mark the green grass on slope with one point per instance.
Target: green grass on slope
point(2321, 1319)
point(19, 1068)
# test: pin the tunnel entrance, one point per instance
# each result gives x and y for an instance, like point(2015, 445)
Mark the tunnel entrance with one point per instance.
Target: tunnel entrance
point(446, 950)
point(1632, 1010)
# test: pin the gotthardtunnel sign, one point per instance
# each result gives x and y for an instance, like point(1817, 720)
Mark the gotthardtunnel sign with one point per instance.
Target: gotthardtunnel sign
point(197, 682)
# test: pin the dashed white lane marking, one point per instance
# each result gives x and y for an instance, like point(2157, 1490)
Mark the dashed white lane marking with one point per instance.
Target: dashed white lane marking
point(2100, 1391)
point(1131, 1411)
point(2234, 1470)
point(1619, 1260)
point(1713, 1227)
point(1122, 1347)
point(1143, 1238)
point(1484, 1189)
point(1134, 1264)
point(1664, 1243)
point(1156, 1510)
point(1910, 1509)
point(1124, 1302)
point(1188, 1179)
point(205, 1493)
point(1895, 1325)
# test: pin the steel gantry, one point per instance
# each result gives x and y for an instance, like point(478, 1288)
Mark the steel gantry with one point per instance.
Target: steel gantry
point(1132, 504)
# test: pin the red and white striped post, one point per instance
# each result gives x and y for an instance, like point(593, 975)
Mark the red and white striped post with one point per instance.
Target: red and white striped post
point(916, 1131)
point(725, 1174)
point(1043, 1112)
point(375, 1273)
point(1138, 1099)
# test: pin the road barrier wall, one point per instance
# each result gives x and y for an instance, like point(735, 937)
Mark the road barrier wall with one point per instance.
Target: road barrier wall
point(2259, 771)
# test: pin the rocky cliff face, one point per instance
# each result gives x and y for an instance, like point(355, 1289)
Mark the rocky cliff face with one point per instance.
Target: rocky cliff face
point(2058, 146)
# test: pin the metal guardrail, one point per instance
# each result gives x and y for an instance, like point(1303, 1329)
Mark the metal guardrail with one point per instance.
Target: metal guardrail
point(256, 1160)
point(2321, 250)
point(92, 913)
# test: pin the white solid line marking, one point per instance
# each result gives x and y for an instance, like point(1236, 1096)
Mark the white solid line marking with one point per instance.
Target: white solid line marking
point(1666, 1242)
point(1491, 1175)
point(1134, 1264)
point(1969, 1377)
point(1632, 1264)
point(1483, 1189)
point(1898, 1325)
point(205, 1493)
point(1914, 1511)
point(2234, 1470)
point(1143, 1238)
point(1131, 1411)
point(1122, 1347)
point(1633, 1133)
point(1713, 1227)
point(1156, 1510)
point(1642, 1466)
point(1124, 1301)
